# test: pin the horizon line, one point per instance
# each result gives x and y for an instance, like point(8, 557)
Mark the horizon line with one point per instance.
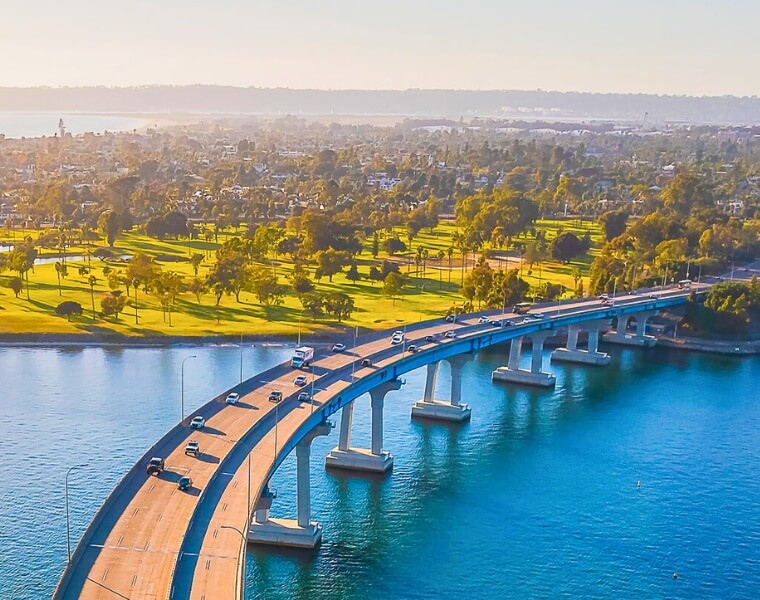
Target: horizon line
point(369, 90)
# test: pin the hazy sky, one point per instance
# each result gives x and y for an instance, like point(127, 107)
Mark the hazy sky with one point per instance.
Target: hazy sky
point(661, 46)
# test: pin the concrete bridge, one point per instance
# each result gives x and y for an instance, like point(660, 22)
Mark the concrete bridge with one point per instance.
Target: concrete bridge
point(151, 540)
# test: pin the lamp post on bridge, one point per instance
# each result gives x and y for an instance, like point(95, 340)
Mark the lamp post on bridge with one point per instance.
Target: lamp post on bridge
point(66, 501)
point(245, 542)
point(182, 388)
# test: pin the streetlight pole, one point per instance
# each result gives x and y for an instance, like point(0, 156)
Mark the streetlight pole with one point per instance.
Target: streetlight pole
point(182, 388)
point(241, 358)
point(66, 500)
point(245, 541)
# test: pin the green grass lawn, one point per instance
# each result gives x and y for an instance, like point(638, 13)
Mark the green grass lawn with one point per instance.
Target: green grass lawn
point(426, 295)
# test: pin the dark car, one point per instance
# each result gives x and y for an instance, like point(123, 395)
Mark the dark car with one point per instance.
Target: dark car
point(497, 323)
point(412, 349)
point(155, 465)
point(184, 483)
point(366, 362)
point(429, 338)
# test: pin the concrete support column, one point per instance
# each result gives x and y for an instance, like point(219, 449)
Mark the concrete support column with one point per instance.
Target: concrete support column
point(641, 322)
point(536, 355)
point(512, 372)
point(264, 503)
point(431, 409)
point(457, 364)
point(572, 337)
point(432, 375)
point(621, 324)
point(373, 459)
point(346, 418)
point(301, 532)
point(515, 350)
point(303, 452)
point(378, 400)
point(593, 340)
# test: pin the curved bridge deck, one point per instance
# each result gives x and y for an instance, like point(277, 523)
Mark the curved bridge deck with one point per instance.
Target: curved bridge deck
point(150, 540)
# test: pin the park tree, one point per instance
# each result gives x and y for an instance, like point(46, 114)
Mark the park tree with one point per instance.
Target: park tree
point(330, 262)
point(196, 260)
point(68, 309)
point(61, 270)
point(109, 224)
point(263, 283)
point(614, 223)
point(566, 246)
point(353, 273)
point(313, 303)
point(166, 287)
point(392, 286)
point(228, 275)
point(21, 259)
point(112, 305)
point(197, 287)
point(16, 284)
point(301, 282)
point(393, 246)
point(339, 305)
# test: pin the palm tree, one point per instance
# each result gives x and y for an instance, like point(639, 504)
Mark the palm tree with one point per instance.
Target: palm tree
point(92, 281)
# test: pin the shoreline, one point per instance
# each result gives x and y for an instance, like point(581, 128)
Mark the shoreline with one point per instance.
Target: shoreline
point(63, 340)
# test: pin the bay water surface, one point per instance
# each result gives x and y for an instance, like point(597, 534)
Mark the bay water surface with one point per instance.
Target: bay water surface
point(536, 497)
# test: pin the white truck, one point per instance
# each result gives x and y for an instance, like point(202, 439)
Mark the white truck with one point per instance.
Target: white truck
point(302, 357)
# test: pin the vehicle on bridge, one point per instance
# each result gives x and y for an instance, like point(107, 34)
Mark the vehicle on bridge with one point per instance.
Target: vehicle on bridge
point(275, 396)
point(339, 347)
point(684, 284)
point(302, 357)
point(304, 397)
point(197, 422)
point(412, 349)
point(193, 448)
point(522, 308)
point(156, 465)
point(232, 398)
point(397, 337)
point(185, 483)
point(300, 381)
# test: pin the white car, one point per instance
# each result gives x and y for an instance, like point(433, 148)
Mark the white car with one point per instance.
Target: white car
point(300, 381)
point(450, 334)
point(193, 448)
point(304, 397)
point(339, 348)
point(484, 319)
point(197, 423)
point(397, 337)
point(232, 398)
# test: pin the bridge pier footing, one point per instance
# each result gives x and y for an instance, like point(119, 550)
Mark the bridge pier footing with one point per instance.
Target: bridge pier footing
point(301, 532)
point(512, 373)
point(622, 337)
point(437, 410)
point(375, 459)
point(572, 354)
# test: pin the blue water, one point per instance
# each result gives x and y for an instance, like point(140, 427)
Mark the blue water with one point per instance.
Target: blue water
point(535, 498)
point(16, 124)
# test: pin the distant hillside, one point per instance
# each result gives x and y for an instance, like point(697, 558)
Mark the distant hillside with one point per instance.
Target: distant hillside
point(424, 103)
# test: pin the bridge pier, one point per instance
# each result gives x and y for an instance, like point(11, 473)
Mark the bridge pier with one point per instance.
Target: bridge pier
point(374, 459)
point(572, 354)
point(301, 532)
point(621, 335)
point(512, 373)
point(430, 409)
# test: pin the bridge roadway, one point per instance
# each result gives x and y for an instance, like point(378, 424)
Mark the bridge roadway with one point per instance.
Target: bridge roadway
point(150, 540)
